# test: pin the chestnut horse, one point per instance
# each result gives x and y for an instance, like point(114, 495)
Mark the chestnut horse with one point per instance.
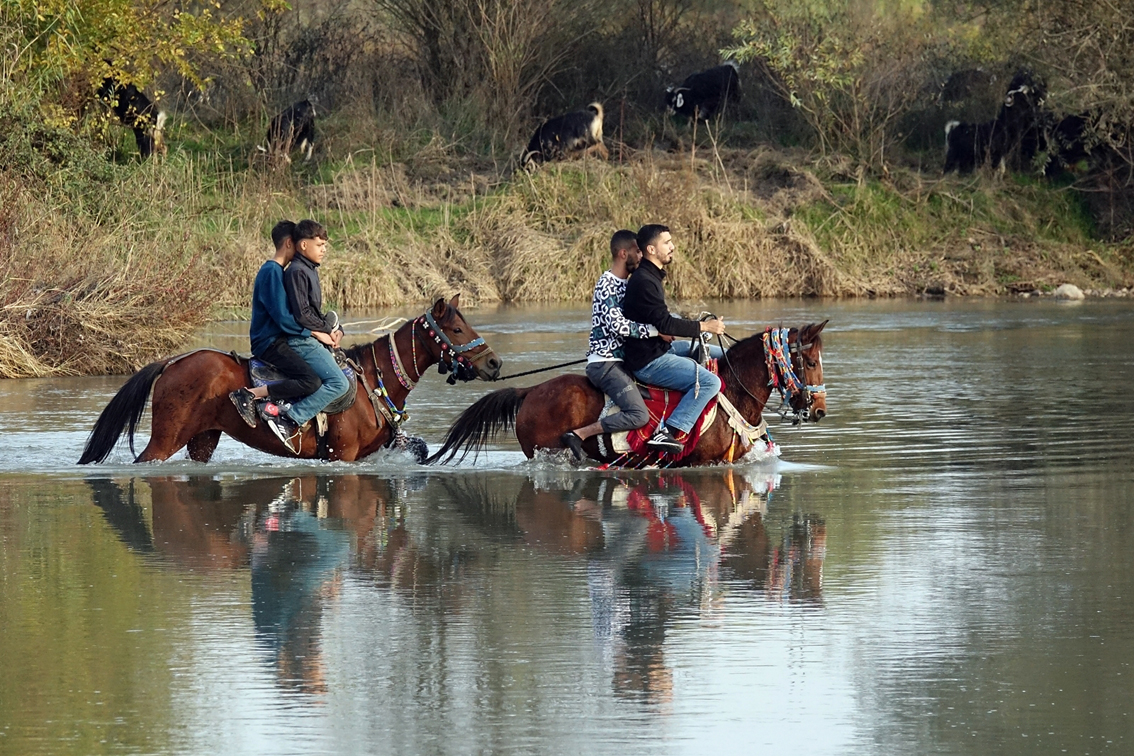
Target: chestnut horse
point(191, 405)
point(542, 413)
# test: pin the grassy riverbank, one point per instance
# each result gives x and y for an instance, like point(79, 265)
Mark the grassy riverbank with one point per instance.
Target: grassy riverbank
point(107, 266)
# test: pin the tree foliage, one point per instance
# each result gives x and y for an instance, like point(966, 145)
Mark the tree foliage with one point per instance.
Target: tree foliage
point(55, 45)
point(852, 71)
point(494, 53)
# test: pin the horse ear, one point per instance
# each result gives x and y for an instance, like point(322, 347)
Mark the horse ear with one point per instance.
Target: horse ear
point(439, 308)
point(815, 329)
point(455, 302)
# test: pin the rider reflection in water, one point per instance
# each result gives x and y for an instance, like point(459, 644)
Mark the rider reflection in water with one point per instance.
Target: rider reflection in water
point(297, 566)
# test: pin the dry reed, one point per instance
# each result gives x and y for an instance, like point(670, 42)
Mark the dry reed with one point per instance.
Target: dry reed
point(122, 274)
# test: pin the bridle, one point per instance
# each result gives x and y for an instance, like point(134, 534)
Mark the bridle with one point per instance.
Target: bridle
point(453, 359)
point(776, 340)
point(797, 348)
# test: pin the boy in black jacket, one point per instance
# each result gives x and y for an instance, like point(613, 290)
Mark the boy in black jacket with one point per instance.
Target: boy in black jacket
point(305, 299)
point(653, 360)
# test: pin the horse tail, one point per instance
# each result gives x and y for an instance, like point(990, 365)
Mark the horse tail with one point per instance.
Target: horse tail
point(490, 415)
point(122, 414)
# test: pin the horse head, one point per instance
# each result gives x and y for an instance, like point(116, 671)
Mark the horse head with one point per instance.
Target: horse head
point(460, 349)
point(807, 362)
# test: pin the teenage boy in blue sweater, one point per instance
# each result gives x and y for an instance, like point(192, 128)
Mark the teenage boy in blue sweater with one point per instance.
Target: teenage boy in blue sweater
point(272, 326)
point(305, 300)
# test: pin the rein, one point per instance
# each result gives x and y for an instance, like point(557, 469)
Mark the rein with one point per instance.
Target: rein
point(541, 370)
point(732, 370)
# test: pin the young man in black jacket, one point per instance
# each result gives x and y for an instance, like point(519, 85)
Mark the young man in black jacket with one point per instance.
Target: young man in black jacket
point(652, 360)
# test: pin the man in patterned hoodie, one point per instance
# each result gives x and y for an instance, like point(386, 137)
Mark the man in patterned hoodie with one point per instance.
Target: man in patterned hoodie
point(604, 355)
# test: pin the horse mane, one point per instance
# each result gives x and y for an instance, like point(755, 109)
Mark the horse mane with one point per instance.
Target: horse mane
point(354, 353)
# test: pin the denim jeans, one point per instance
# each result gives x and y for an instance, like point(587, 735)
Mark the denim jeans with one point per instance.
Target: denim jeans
point(614, 380)
point(685, 346)
point(682, 374)
point(301, 378)
point(334, 382)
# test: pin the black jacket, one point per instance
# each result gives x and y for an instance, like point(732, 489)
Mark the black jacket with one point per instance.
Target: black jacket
point(304, 294)
point(645, 303)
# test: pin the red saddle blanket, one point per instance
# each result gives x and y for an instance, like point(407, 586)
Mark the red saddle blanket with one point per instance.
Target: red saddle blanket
point(661, 403)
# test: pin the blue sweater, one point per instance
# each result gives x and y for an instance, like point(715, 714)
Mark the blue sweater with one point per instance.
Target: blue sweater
point(271, 317)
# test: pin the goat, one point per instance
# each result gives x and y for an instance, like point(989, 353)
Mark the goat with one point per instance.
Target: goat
point(567, 135)
point(702, 94)
point(291, 129)
point(968, 145)
point(1015, 137)
point(138, 112)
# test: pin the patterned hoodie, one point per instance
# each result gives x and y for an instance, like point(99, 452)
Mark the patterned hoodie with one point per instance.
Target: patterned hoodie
point(608, 325)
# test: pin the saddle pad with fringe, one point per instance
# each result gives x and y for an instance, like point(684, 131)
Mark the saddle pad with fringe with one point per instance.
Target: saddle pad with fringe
point(264, 374)
point(660, 403)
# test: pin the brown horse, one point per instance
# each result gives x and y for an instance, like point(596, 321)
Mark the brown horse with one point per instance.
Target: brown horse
point(542, 413)
point(191, 405)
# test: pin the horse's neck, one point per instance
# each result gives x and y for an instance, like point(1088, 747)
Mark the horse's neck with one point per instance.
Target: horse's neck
point(383, 366)
point(746, 370)
point(415, 356)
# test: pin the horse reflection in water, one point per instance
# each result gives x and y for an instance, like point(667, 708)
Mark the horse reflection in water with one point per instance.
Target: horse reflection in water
point(296, 535)
point(655, 549)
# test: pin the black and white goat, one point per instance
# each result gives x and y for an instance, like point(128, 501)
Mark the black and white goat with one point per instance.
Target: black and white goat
point(138, 112)
point(703, 94)
point(565, 136)
point(293, 129)
point(1015, 137)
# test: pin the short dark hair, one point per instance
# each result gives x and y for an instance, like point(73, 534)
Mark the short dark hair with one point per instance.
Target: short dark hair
point(649, 233)
point(281, 232)
point(622, 240)
point(308, 229)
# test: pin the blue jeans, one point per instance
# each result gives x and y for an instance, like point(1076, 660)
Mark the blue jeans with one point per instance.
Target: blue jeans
point(684, 347)
point(334, 382)
point(682, 374)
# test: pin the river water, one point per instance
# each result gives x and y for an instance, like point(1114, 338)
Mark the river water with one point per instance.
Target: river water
point(943, 565)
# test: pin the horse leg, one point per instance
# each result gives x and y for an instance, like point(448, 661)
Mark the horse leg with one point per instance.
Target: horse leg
point(202, 446)
point(165, 441)
point(185, 406)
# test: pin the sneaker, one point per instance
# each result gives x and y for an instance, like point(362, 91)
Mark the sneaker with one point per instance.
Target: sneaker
point(286, 430)
point(245, 402)
point(270, 410)
point(571, 441)
point(663, 440)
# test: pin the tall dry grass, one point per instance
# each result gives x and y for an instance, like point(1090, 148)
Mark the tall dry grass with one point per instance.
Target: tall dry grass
point(107, 279)
point(79, 299)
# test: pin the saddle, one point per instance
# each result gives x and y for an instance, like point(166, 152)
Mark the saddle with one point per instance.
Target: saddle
point(660, 403)
point(265, 374)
